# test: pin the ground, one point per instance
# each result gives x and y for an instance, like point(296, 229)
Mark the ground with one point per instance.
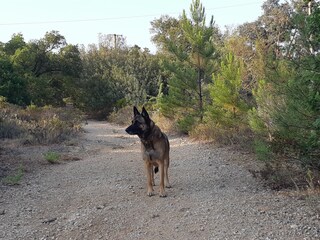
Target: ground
point(98, 191)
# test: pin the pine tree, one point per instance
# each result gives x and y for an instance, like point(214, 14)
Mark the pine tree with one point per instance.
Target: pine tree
point(190, 65)
point(228, 108)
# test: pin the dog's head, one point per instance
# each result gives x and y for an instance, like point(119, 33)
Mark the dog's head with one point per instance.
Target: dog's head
point(141, 123)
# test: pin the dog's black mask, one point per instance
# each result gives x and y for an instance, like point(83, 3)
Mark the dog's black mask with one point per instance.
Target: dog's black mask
point(140, 123)
point(134, 128)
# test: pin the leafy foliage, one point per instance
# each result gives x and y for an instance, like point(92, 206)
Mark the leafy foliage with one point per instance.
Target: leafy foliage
point(41, 71)
point(287, 110)
point(113, 78)
point(12, 85)
point(227, 106)
point(190, 63)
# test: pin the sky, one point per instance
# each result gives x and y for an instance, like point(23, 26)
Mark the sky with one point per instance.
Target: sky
point(80, 21)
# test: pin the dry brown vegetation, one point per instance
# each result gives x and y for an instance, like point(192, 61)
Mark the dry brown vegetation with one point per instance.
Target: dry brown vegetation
point(36, 129)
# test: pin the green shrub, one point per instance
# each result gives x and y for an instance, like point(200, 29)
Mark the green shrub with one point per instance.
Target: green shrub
point(16, 178)
point(52, 157)
point(263, 151)
point(186, 124)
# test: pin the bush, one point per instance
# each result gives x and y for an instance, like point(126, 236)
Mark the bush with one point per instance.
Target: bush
point(166, 124)
point(15, 178)
point(52, 157)
point(186, 123)
point(263, 151)
point(38, 125)
point(123, 116)
point(9, 126)
point(222, 135)
point(9, 129)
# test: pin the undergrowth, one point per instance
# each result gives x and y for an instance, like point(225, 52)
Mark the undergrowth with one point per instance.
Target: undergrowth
point(15, 178)
point(38, 125)
point(52, 157)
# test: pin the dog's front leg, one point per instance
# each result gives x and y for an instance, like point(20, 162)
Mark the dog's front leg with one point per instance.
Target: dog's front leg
point(152, 177)
point(162, 192)
point(166, 178)
point(149, 169)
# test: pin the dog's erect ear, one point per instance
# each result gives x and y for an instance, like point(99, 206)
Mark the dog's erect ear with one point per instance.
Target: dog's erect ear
point(145, 114)
point(135, 111)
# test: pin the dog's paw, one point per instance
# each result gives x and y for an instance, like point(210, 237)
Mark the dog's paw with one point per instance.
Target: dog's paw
point(163, 195)
point(168, 186)
point(150, 194)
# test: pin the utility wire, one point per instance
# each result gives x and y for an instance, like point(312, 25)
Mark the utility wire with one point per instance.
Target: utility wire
point(117, 18)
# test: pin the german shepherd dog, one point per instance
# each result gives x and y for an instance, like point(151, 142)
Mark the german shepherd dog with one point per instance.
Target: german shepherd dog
point(154, 148)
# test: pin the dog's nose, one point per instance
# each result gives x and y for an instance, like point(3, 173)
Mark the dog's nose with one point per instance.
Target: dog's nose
point(128, 130)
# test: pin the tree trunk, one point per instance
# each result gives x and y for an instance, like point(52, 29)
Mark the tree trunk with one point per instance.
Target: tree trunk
point(200, 90)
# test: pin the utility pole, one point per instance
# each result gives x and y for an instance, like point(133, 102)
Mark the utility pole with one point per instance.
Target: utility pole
point(115, 39)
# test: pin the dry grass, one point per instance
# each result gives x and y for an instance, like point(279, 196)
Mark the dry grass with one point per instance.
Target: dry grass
point(165, 124)
point(220, 135)
point(35, 125)
point(122, 117)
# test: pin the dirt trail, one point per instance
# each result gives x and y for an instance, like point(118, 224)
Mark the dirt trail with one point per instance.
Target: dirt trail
point(103, 196)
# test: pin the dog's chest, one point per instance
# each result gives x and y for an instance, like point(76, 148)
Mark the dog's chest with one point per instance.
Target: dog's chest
point(148, 151)
point(147, 145)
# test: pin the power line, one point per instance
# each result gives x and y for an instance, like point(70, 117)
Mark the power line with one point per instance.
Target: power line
point(117, 18)
point(75, 20)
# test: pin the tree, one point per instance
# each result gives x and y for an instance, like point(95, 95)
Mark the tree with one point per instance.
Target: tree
point(16, 42)
point(12, 86)
point(298, 121)
point(200, 38)
point(42, 71)
point(286, 116)
point(141, 70)
point(190, 61)
point(273, 27)
point(167, 29)
point(228, 110)
point(113, 77)
point(97, 92)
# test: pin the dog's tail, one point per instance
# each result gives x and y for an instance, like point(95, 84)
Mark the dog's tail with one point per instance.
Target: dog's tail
point(156, 169)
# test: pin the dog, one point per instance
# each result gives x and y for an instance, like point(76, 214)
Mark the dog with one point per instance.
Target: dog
point(155, 149)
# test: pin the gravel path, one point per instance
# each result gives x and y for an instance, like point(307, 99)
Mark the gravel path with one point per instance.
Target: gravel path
point(103, 196)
